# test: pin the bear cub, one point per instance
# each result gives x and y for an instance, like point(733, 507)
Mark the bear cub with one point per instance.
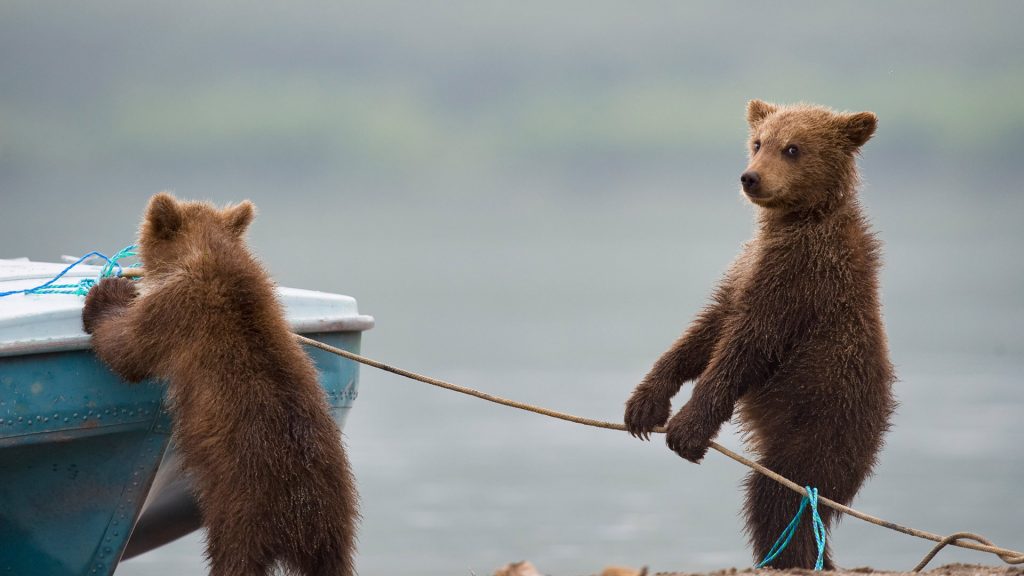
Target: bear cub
point(252, 423)
point(793, 334)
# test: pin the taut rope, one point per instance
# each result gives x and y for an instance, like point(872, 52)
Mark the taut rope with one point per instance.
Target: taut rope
point(961, 539)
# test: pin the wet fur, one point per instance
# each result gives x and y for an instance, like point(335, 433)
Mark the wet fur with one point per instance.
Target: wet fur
point(251, 420)
point(793, 335)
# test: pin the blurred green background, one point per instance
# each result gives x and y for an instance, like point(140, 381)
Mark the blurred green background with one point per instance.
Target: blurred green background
point(534, 198)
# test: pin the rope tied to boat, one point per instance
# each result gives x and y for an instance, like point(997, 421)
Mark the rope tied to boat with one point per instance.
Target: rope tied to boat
point(809, 494)
point(960, 539)
point(111, 268)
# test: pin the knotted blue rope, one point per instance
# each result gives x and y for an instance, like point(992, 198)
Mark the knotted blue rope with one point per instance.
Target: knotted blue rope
point(82, 287)
point(817, 526)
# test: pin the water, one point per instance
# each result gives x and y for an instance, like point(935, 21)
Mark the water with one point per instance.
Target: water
point(534, 201)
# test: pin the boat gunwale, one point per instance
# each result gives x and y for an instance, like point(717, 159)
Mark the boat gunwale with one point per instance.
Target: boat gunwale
point(82, 341)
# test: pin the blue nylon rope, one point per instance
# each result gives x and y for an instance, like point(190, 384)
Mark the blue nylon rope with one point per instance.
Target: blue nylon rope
point(80, 288)
point(817, 527)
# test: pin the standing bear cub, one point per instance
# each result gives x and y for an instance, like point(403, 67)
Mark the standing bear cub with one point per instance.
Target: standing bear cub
point(793, 334)
point(251, 421)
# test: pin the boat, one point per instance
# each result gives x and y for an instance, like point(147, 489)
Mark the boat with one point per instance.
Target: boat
point(89, 474)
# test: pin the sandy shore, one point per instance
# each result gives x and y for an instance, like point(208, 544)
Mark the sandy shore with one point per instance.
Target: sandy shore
point(528, 569)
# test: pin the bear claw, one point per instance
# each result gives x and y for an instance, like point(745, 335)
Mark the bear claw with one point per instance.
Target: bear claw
point(644, 413)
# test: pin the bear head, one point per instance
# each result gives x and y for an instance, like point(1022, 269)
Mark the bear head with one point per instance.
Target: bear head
point(803, 156)
point(173, 230)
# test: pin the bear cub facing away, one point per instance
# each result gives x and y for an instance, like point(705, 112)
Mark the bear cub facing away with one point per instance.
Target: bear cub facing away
point(793, 335)
point(252, 423)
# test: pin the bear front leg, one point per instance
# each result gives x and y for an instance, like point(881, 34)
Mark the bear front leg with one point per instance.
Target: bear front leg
point(107, 298)
point(650, 404)
point(647, 409)
point(735, 367)
point(690, 432)
point(108, 317)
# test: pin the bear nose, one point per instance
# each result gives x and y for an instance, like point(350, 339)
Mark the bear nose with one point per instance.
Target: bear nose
point(750, 181)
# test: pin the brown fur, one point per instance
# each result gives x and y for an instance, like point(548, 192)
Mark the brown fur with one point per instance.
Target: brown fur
point(793, 334)
point(251, 420)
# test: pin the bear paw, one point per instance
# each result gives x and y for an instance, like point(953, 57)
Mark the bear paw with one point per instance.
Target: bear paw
point(107, 295)
point(687, 439)
point(645, 412)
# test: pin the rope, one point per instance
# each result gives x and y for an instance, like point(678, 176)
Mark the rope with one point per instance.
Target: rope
point(959, 539)
point(82, 287)
point(817, 526)
point(126, 252)
point(954, 540)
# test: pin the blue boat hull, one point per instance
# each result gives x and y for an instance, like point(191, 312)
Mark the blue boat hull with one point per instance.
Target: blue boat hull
point(79, 450)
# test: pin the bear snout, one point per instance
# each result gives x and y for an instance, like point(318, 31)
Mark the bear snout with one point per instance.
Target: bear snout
point(751, 182)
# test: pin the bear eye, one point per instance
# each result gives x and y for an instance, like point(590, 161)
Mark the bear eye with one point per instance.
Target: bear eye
point(757, 145)
point(792, 151)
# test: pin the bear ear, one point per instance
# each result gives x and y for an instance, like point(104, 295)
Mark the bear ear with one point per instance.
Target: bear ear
point(163, 215)
point(757, 110)
point(239, 216)
point(859, 127)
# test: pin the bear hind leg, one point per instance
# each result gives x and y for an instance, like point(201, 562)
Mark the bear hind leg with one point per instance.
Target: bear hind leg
point(324, 563)
point(227, 557)
point(770, 507)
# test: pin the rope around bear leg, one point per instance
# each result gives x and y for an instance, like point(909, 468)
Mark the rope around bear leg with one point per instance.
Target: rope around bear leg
point(959, 539)
point(817, 526)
